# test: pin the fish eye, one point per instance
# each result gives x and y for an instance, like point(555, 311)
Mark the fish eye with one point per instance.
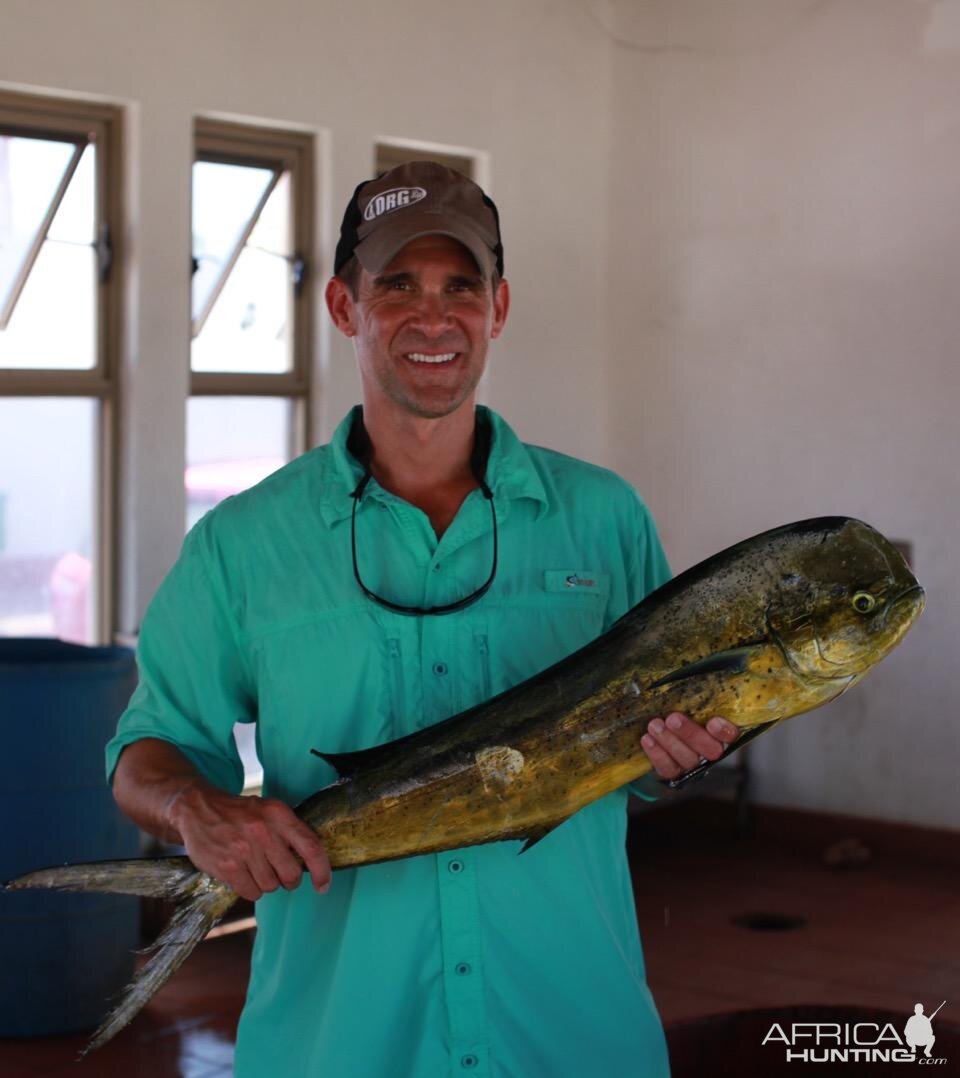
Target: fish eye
point(863, 602)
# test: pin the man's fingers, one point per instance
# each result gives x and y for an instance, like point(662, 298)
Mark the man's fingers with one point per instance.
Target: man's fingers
point(263, 873)
point(299, 838)
point(723, 729)
point(315, 858)
point(679, 744)
point(284, 862)
point(668, 737)
point(664, 764)
point(237, 877)
point(701, 741)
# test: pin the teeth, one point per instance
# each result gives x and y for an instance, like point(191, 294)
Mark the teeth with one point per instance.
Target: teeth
point(420, 357)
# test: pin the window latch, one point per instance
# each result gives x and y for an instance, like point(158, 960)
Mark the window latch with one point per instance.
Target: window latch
point(104, 249)
point(299, 267)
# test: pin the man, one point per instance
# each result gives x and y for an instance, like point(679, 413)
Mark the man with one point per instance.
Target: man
point(369, 589)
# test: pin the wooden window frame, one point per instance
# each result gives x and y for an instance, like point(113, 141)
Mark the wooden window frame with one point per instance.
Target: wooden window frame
point(388, 155)
point(102, 124)
point(243, 144)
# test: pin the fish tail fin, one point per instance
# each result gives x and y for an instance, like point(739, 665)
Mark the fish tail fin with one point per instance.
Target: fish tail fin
point(163, 877)
point(202, 902)
point(189, 924)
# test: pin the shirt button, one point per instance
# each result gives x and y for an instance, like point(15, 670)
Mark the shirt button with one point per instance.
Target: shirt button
point(463, 968)
point(436, 568)
point(455, 866)
point(439, 669)
point(468, 1061)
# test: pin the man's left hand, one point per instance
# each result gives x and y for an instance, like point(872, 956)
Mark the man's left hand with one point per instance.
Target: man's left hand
point(678, 744)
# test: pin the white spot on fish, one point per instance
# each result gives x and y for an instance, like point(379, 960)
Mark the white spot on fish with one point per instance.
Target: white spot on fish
point(498, 765)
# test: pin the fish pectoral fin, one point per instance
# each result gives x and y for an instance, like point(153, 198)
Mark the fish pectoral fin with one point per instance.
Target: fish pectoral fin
point(534, 836)
point(732, 661)
point(698, 772)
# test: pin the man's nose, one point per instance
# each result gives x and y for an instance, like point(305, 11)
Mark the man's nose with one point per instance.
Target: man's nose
point(432, 313)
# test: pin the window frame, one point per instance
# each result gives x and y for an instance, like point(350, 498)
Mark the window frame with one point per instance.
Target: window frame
point(103, 124)
point(388, 154)
point(284, 150)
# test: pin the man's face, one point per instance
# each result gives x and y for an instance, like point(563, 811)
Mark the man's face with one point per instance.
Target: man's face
point(421, 327)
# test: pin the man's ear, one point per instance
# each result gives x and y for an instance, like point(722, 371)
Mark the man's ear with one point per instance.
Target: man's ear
point(341, 306)
point(501, 307)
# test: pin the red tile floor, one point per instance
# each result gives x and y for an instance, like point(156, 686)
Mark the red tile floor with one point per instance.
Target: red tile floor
point(884, 935)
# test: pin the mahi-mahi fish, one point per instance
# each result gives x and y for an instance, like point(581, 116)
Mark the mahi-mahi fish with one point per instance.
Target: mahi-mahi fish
point(772, 627)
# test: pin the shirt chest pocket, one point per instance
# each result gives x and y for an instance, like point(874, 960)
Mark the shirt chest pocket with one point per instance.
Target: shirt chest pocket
point(528, 632)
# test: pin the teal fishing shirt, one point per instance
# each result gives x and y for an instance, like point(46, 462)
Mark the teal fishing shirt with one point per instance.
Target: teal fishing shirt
point(470, 962)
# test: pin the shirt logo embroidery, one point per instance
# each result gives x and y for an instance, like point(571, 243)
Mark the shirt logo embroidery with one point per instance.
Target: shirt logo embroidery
point(394, 199)
point(574, 581)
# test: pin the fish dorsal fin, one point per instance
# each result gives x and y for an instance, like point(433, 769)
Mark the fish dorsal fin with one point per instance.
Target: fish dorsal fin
point(733, 661)
point(347, 764)
point(534, 836)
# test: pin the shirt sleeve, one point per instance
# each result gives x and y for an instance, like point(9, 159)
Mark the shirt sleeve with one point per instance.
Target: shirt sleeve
point(647, 570)
point(194, 683)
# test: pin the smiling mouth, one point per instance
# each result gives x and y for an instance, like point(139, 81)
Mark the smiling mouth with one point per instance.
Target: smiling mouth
point(432, 358)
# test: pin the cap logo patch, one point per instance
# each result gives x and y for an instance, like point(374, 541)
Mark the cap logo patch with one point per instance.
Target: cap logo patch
point(394, 199)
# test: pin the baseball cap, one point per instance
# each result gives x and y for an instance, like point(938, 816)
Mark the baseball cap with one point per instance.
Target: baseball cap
point(420, 198)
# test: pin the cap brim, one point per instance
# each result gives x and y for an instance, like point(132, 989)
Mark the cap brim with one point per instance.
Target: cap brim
point(378, 249)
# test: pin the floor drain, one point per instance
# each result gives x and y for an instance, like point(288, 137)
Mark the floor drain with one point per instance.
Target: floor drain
point(769, 922)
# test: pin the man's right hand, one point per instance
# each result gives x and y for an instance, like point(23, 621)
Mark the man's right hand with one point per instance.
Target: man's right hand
point(253, 844)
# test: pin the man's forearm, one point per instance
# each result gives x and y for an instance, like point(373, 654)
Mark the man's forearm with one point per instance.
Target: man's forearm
point(150, 777)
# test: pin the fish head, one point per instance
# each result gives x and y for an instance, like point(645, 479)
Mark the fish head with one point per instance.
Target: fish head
point(844, 599)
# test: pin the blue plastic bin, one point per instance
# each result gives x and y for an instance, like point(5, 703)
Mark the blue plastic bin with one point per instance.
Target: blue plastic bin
point(62, 955)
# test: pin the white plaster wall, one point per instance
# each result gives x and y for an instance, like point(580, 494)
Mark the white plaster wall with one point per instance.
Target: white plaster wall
point(526, 85)
point(783, 290)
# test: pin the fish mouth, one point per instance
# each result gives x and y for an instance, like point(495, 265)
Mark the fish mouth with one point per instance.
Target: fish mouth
point(905, 608)
point(914, 589)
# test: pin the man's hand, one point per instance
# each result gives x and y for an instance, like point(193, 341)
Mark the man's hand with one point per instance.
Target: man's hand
point(253, 844)
point(679, 745)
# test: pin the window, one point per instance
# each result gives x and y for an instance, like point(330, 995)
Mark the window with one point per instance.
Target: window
point(389, 155)
point(252, 315)
point(60, 303)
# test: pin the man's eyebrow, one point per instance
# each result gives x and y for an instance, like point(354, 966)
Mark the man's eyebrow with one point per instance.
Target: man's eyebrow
point(471, 280)
point(392, 278)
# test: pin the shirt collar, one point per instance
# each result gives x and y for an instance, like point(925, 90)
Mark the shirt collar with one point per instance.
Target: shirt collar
point(510, 471)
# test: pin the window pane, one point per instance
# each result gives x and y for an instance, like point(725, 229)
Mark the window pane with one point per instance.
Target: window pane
point(225, 199)
point(48, 533)
point(248, 328)
point(31, 174)
point(232, 443)
point(53, 323)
